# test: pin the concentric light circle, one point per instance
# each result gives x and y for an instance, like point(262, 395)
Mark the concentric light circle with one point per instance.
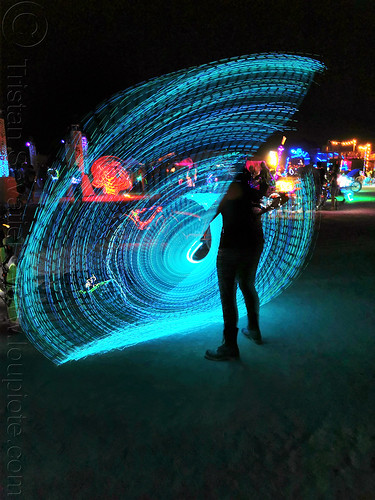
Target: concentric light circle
point(139, 255)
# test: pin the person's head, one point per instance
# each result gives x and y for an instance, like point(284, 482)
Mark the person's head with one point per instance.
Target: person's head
point(252, 167)
point(335, 166)
point(248, 182)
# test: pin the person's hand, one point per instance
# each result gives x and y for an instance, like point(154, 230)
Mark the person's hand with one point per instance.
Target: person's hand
point(283, 198)
point(279, 199)
point(275, 202)
point(206, 235)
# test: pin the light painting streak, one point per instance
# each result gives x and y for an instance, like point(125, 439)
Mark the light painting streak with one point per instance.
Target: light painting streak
point(142, 253)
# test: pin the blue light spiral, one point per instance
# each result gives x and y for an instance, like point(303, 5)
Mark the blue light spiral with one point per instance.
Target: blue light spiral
point(147, 283)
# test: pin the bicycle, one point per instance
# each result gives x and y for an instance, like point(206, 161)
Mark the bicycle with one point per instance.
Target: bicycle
point(8, 262)
point(10, 242)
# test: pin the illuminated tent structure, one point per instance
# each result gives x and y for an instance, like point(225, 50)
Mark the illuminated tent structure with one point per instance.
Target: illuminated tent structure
point(95, 277)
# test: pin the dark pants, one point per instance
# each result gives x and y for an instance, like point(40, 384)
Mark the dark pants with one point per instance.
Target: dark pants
point(334, 189)
point(238, 266)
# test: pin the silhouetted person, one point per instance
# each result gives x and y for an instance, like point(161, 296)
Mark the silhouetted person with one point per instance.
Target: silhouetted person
point(29, 178)
point(266, 180)
point(240, 248)
point(76, 182)
point(319, 179)
point(333, 184)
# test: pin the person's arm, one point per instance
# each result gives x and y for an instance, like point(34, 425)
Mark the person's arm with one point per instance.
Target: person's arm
point(276, 203)
point(207, 231)
point(218, 211)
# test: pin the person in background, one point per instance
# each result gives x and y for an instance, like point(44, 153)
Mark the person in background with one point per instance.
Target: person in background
point(319, 180)
point(266, 180)
point(333, 183)
point(240, 248)
point(29, 181)
point(76, 182)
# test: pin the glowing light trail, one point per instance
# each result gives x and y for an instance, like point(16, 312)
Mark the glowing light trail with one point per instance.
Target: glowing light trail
point(214, 114)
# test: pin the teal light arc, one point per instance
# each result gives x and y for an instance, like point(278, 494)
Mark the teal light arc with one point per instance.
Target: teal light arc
point(217, 113)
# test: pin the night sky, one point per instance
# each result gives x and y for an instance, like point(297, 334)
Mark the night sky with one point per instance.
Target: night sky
point(93, 49)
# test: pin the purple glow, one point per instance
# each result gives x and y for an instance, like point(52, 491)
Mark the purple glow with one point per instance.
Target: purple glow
point(28, 144)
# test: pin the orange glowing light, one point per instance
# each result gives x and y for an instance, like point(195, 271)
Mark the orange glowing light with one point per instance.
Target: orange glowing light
point(272, 159)
point(109, 173)
point(284, 186)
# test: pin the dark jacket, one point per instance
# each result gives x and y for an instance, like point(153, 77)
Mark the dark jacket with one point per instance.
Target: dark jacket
point(240, 209)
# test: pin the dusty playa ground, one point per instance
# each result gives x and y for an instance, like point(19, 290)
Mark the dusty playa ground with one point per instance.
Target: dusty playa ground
point(293, 419)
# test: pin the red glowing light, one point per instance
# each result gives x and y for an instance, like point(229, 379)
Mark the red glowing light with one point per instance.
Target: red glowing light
point(110, 174)
point(187, 162)
point(141, 224)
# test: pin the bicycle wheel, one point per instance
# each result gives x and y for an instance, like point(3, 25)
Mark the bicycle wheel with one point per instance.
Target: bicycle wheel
point(322, 200)
point(356, 186)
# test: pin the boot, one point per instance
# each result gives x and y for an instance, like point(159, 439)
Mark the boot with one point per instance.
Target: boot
point(223, 353)
point(253, 335)
point(228, 351)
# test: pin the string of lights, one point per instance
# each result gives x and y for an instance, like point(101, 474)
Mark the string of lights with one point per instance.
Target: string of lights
point(100, 276)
